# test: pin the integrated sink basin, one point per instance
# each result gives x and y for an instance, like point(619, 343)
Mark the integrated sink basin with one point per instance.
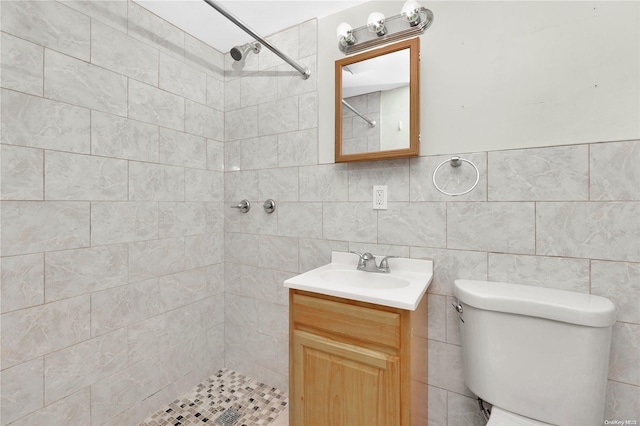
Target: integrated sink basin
point(403, 287)
point(363, 279)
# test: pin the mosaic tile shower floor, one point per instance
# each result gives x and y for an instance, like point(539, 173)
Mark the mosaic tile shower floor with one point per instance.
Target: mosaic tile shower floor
point(225, 399)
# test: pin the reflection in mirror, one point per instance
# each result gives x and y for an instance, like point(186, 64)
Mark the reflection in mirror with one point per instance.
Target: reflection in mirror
point(377, 104)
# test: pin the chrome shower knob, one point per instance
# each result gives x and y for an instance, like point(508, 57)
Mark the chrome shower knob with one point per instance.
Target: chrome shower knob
point(269, 206)
point(244, 206)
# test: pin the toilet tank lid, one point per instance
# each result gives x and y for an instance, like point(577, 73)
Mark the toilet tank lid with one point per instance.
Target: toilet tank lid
point(559, 305)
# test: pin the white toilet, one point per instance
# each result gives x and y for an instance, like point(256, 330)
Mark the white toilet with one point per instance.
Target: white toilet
point(540, 356)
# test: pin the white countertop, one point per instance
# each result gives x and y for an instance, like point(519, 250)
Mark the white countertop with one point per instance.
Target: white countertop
point(414, 274)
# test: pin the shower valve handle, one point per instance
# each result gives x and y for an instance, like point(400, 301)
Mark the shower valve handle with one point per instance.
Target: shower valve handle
point(244, 206)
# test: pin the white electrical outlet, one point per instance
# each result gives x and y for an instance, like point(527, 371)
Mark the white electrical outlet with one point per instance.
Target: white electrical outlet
point(380, 197)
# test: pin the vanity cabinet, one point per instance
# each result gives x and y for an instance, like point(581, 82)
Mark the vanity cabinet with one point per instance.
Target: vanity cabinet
point(350, 363)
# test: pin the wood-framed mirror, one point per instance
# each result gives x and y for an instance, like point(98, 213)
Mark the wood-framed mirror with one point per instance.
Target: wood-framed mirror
point(377, 103)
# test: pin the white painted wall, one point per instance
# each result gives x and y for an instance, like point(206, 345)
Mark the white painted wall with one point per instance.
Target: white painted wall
point(394, 118)
point(501, 75)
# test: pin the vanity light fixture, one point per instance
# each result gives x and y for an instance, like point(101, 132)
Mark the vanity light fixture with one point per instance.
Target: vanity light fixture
point(412, 21)
point(375, 23)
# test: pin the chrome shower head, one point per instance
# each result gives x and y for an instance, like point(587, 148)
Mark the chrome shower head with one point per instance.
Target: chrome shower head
point(238, 53)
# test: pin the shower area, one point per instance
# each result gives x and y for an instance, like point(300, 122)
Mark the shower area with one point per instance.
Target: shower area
point(127, 279)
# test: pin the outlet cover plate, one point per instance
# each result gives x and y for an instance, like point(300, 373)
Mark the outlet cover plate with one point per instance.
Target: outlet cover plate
point(380, 197)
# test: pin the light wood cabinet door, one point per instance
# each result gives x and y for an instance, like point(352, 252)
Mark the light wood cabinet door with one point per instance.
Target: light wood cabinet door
point(339, 384)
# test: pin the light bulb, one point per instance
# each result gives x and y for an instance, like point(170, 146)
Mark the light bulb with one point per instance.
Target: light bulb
point(411, 12)
point(375, 22)
point(345, 34)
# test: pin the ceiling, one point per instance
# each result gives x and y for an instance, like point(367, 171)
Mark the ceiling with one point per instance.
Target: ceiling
point(265, 17)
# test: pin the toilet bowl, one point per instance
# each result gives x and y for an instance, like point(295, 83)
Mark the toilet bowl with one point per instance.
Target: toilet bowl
point(500, 417)
point(539, 356)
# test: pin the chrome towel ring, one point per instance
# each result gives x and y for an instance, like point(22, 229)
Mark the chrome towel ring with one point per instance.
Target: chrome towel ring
point(455, 162)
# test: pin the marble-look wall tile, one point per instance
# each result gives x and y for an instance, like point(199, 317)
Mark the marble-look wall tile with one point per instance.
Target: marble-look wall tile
point(621, 402)
point(72, 410)
point(258, 153)
point(22, 171)
point(463, 411)
point(215, 93)
point(349, 222)
point(258, 88)
point(180, 219)
point(155, 106)
point(204, 185)
point(118, 307)
point(74, 368)
point(248, 344)
point(22, 389)
point(203, 250)
point(242, 248)
point(437, 406)
point(123, 390)
point(241, 185)
point(540, 174)
point(22, 280)
point(183, 288)
point(72, 273)
point(437, 308)
point(405, 224)
point(614, 171)
point(149, 259)
point(76, 82)
point(232, 94)
point(363, 177)
point(625, 352)
point(279, 253)
point(22, 65)
point(308, 38)
point(117, 137)
point(182, 149)
point(204, 57)
point(84, 177)
point(182, 79)
point(241, 124)
point(324, 182)
point(552, 272)
point(145, 337)
point(501, 227)
point(279, 184)
point(42, 329)
point(620, 283)
point(241, 311)
point(155, 182)
point(606, 231)
point(274, 319)
point(308, 110)
point(300, 220)
point(204, 121)
point(233, 155)
point(450, 179)
point(450, 265)
point(125, 55)
point(41, 123)
point(50, 24)
point(288, 42)
point(290, 82)
point(445, 367)
point(278, 116)
point(215, 155)
point(110, 12)
point(155, 31)
point(317, 252)
point(115, 222)
point(35, 226)
point(298, 148)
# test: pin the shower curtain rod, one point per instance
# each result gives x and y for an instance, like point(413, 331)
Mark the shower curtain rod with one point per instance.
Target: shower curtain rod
point(372, 123)
point(306, 72)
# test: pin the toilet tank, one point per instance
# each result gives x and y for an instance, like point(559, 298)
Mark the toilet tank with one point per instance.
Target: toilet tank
point(537, 352)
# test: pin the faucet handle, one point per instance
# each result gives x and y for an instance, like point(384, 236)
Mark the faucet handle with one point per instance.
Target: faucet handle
point(355, 252)
point(384, 263)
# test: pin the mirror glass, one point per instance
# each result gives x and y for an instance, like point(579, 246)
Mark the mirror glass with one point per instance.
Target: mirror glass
point(377, 95)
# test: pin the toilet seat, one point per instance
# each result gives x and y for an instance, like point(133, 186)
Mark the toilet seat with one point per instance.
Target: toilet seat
point(500, 417)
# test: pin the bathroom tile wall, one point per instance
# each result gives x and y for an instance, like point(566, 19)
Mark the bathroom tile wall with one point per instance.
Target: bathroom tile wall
point(563, 217)
point(112, 231)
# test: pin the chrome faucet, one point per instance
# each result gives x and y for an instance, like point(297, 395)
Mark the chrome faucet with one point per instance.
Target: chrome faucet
point(367, 263)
